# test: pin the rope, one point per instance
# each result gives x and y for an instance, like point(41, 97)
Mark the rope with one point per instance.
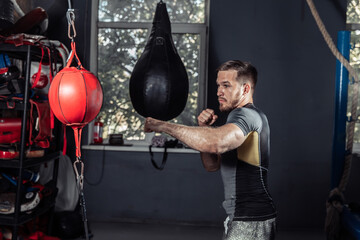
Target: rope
point(336, 198)
point(330, 42)
point(351, 126)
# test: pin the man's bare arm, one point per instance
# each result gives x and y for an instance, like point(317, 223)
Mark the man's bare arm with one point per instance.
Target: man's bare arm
point(211, 162)
point(204, 139)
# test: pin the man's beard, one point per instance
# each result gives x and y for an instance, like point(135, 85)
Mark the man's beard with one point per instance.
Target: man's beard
point(225, 108)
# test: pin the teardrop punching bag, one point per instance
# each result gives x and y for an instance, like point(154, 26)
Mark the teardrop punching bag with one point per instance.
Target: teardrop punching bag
point(159, 84)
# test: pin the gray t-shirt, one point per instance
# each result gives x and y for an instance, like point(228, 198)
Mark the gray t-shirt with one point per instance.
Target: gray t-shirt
point(244, 169)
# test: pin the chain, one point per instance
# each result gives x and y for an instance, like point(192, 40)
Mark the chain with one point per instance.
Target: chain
point(78, 164)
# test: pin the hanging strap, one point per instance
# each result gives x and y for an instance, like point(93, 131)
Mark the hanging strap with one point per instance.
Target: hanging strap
point(52, 118)
point(161, 167)
point(42, 139)
point(72, 55)
point(50, 64)
point(39, 71)
point(31, 122)
point(65, 141)
point(77, 135)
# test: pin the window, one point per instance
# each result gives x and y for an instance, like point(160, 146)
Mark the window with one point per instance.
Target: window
point(353, 24)
point(122, 28)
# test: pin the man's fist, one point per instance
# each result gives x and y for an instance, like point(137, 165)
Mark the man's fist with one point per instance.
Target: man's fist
point(152, 125)
point(207, 117)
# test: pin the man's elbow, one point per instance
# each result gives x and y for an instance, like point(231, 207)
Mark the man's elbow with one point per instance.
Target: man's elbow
point(217, 148)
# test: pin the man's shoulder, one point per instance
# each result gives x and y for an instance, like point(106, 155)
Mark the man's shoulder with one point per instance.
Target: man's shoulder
point(247, 110)
point(249, 114)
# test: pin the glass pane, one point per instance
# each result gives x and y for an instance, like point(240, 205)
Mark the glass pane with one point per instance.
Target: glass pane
point(188, 46)
point(353, 11)
point(180, 11)
point(355, 63)
point(119, 50)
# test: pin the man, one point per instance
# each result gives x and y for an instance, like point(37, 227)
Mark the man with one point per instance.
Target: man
point(240, 148)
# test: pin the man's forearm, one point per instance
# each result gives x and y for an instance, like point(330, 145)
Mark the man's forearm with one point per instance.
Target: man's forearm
point(198, 138)
point(204, 139)
point(210, 161)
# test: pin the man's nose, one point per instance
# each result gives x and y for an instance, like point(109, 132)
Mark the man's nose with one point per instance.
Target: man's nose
point(219, 92)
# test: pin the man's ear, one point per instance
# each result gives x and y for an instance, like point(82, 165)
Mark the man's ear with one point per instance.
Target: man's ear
point(247, 88)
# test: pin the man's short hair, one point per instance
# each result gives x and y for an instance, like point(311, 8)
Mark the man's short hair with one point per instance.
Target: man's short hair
point(245, 71)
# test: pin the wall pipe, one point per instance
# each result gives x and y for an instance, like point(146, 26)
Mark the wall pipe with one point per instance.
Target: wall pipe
point(341, 95)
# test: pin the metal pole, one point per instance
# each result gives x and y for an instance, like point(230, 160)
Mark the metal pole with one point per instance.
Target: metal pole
point(22, 155)
point(341, 95)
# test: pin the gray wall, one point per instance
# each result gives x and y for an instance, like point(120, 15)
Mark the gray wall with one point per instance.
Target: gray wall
point(296, 91)
point(131, 189)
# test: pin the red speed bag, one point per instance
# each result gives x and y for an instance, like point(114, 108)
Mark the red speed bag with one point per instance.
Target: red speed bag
point(75, 94)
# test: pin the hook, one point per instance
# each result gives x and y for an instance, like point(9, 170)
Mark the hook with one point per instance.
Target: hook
point(70, 15)
point(79, 176)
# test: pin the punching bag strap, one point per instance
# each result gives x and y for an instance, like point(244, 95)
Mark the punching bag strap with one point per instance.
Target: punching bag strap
point(52, 119)
point(72, 55)
point(161, 167)
point(77, 135)
point(65, 140)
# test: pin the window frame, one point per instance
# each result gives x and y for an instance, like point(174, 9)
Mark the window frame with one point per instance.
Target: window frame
point(177, 28)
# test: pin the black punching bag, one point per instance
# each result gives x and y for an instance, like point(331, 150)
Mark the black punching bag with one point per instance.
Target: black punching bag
point(159, 84)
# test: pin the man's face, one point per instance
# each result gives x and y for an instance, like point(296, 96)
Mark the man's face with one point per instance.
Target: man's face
point(230, 91)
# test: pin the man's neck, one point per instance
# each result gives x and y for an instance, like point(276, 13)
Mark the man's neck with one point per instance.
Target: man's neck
point(246, 102)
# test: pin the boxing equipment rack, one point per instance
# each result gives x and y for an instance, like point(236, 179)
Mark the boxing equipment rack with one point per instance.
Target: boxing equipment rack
point(28, 53)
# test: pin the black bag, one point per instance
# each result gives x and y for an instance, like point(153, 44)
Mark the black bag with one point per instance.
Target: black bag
point(11, 82)
point(159, 83)
point(161, 141)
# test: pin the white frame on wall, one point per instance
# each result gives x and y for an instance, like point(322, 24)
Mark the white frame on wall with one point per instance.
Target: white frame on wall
point(201, 29)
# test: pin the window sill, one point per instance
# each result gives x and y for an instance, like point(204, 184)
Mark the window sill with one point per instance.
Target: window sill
point(138, 147)
point(356, 149)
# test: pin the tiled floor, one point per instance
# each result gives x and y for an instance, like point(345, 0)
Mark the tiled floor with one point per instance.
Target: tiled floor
point(151, 231)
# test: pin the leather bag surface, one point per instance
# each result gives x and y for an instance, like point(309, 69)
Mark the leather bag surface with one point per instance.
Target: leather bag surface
point(159, 83)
